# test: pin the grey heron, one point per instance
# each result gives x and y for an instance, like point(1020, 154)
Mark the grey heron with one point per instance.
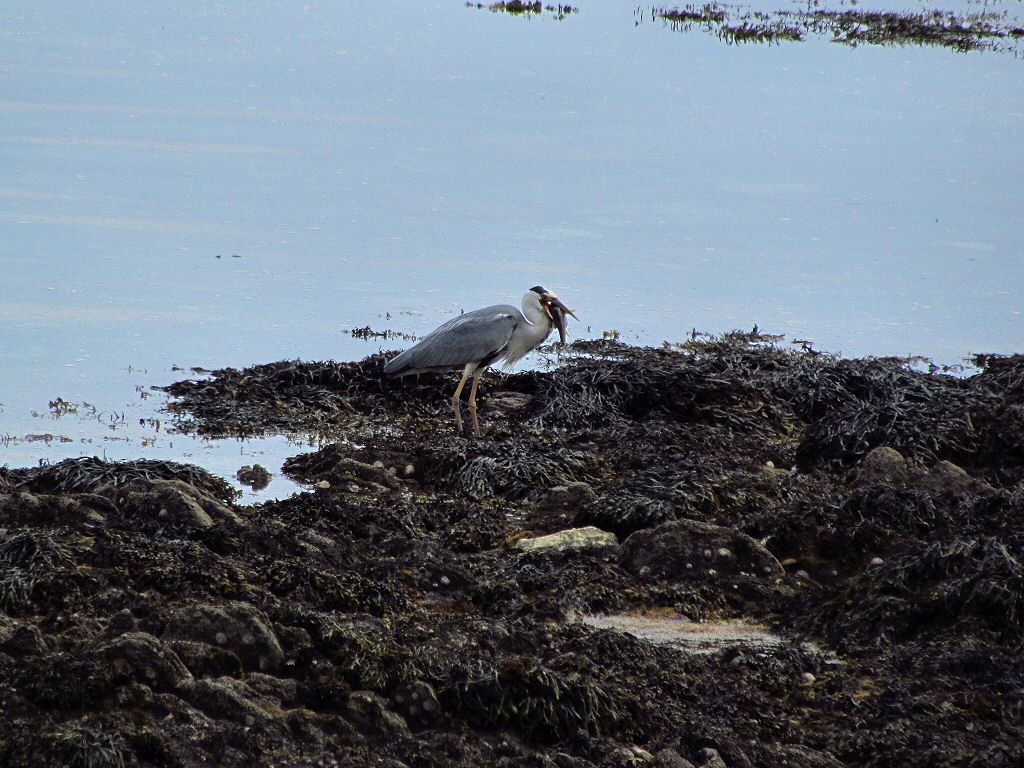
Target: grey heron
point(474, 340)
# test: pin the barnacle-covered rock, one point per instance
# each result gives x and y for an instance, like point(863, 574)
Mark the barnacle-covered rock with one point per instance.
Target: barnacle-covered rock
point(370, 713)
point(688, 549)
point(174, 503)
point(140, 656)
point(237, 627)
point(225, 698)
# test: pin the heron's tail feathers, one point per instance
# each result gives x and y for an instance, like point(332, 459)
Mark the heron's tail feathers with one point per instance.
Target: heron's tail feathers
point(396, 365)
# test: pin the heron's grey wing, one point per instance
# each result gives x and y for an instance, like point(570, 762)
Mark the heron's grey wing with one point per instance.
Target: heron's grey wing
point(479, 336)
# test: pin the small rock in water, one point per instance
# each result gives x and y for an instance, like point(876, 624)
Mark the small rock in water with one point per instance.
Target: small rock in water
point(256, 477)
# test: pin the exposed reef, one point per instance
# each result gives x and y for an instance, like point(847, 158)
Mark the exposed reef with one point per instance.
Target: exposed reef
point(437, 601)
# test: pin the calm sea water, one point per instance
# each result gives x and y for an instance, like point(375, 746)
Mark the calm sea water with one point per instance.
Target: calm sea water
point(222, 184)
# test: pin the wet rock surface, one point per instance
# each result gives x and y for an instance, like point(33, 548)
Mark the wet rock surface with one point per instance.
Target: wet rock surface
point(574, 538)
point(869, 513)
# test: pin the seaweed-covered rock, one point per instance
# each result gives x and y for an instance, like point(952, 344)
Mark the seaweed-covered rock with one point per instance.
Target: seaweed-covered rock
point(539, 700)
point(330, 464)
point(688, 549)
point(142, 657)
point(669, 758)
point(235, 626)
point(370, 712)
point(623, 512)
point(89, 474)
point(38, 569)
point(173, 503)
point(21, 640)
point(256, 476)
point(206, 660)
point(517, 470)
point(225, 698)
point(883, 466)
point(569, 499)
point(418, 703)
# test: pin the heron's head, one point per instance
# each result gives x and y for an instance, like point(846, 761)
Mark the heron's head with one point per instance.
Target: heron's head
point(554, 309)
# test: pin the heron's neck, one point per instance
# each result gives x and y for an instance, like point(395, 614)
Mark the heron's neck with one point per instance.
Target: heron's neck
point(534, 333)
point(540, 323)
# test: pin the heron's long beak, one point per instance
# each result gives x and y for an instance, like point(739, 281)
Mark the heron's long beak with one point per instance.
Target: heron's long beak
point(557, 311)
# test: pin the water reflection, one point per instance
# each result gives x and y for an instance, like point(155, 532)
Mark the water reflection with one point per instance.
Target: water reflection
point(992, 26)
point(519, 8)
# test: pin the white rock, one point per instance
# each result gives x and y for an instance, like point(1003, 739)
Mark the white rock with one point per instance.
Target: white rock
point(573, 538)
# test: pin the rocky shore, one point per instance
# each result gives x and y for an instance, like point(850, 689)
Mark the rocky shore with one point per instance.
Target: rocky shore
point(526, 599)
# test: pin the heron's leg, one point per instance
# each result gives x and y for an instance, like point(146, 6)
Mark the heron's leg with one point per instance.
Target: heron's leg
point(472, 400)
point(456, 404)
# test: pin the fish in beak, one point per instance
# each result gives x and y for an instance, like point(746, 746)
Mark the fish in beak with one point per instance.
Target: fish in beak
point(558, 313)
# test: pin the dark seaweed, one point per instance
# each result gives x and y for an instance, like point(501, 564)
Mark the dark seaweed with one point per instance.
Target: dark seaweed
point(386, 617)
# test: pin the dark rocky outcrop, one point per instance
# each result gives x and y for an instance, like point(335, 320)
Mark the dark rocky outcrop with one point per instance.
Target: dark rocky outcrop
point(870, 512)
